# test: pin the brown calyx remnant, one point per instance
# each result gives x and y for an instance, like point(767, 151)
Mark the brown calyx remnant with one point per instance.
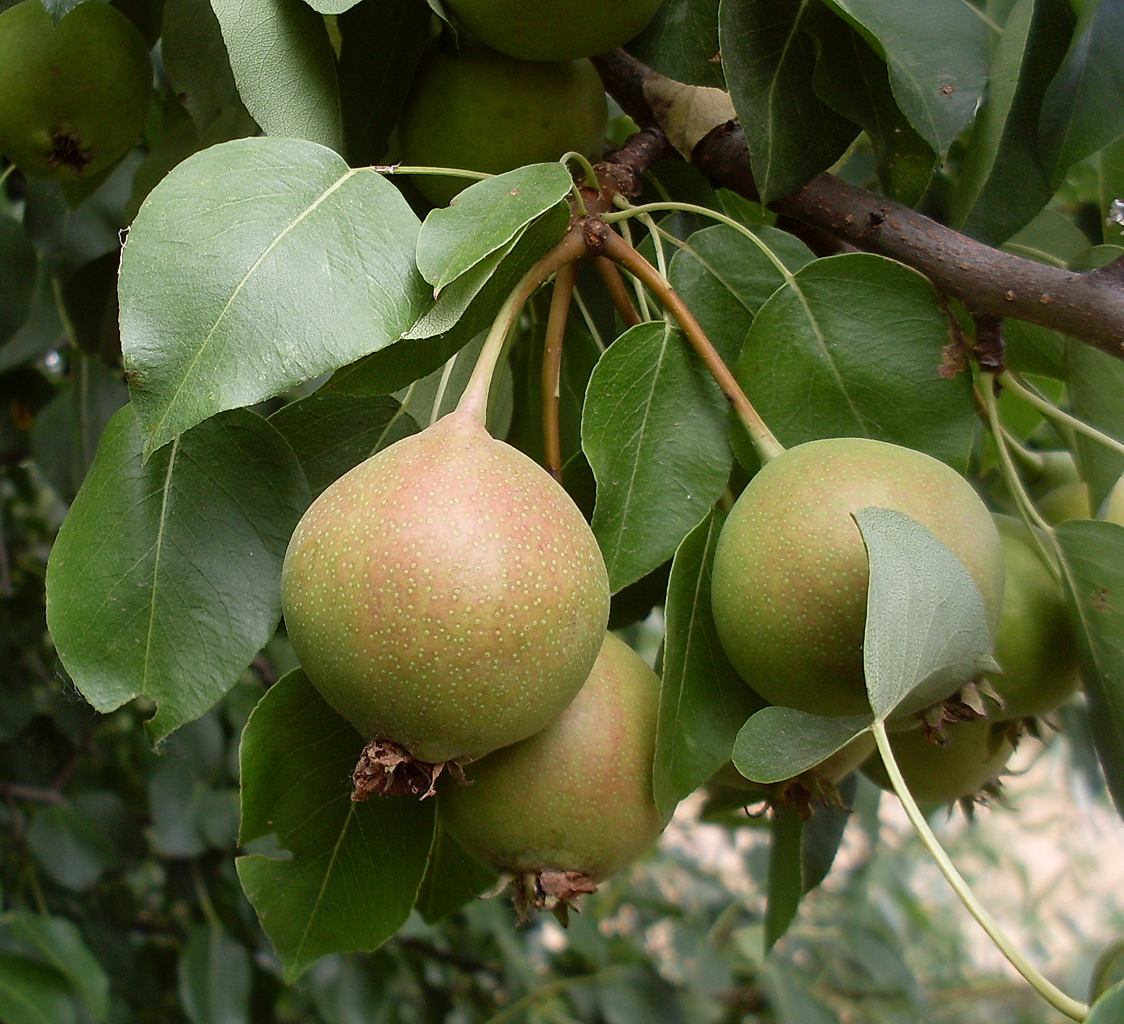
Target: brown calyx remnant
point(386, 769)
point(67, 151)
point(556, 891)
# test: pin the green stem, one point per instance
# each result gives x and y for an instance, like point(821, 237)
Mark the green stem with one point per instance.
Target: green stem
point(619, 251)
point(5, 174)
point(475, 396)
point(1051, 411)
point(1050, 992)
point(556, 320)
point(440, 172)
point(582, 161)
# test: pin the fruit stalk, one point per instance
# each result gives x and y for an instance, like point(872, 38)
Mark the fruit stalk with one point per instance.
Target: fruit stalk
point(1051, 993)
point(552, 366)
point(614, 285)
point(475, 397)
point(615, 248)
point(1052, 412)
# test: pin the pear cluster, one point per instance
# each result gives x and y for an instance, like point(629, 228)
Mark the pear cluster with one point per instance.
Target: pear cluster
point(449, 600)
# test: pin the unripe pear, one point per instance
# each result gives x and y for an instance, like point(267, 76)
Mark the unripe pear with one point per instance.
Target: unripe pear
point(576, 798)
point(482, 111)
point(974, 755)
point(791, 570)
point(73, 96)
point(1034, 643)
point(446, 595)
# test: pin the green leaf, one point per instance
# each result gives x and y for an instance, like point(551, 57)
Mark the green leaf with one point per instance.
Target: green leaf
point(1109, 1008)
point(769, 60)
point(198, 70)
point(284, 67)
point(926, 628)
point(1004, 184)
point(725, 279)
point(937, 53)
point(853, 348)
point(1095, 381)
point(214, 977)
point(59, 943)
point(33, 994)
point(855, 82)
point(452, 878)
point(485, 217)
point(422, 351)
point(355, 868)
point(42, 330)
point(331, 433)
point(165, 578)
point(382, 42)
point(785, 886)
point(1110, 180)
point(71, 846)
point(65, 433)
point(703, 701)
point(1093, 576)
point(823, 833)
point(681, 42)
point(654, 431)
point(227, 292)
point(780, 743)
point(18, 267)
point(1081, 112)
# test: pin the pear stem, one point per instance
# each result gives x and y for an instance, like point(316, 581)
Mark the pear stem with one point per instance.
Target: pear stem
point(556, 320)
point(615, 286)
point(1051, 411)
point(1045, 988)
point(619, 251)
point(475, 397)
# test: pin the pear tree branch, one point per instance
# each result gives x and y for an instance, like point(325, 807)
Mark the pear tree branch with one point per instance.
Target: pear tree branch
point(988, 281)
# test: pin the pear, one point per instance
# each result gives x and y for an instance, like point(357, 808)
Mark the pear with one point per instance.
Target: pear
point(445, 596)
point(790, 569)
point(73, 96)
point(573, 804)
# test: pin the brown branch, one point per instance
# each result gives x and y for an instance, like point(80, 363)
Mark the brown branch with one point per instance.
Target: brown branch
point(988, 281)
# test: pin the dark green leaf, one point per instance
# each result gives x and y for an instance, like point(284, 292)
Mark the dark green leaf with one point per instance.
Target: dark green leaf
point(780, 743)
point(165, 578)
point(1093, 575)
point(452, 878)
point(348, 989)
point(654, 431)
point(33, 994)
point(1050, 238)
point(634, 994)
point(769, 60)
point(71, 846)
point(383, 41)
point(485, 217)
point(227, 292)
point(331, 433)
point(793, 997)
point(937, 52)
point(1003, 184)
point(198, 70)
point(855, 82)
point(1095, 381)
point(284, 68)
point(42, 330)
point(355, 868)
point(725, 279)
point(681, 42)
point(59, 943)
point(18, 266)
point(214, 977)
point(926, 628)
point(852, 347)
point(786, 874)
point(703, 701)
point(1110, 182)
point(65, 434)
point(823, 833)
point(1081, 112)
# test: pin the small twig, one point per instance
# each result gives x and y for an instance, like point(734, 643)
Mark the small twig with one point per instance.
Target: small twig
point(564, 282)
point(1015, 385)
point(33, 794)
point(605, 241)
point(618, 293)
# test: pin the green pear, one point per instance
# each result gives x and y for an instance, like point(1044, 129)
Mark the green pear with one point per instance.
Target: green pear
point(482, 111)
point(446, 595)
point(73, 96)
point(790, 568)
